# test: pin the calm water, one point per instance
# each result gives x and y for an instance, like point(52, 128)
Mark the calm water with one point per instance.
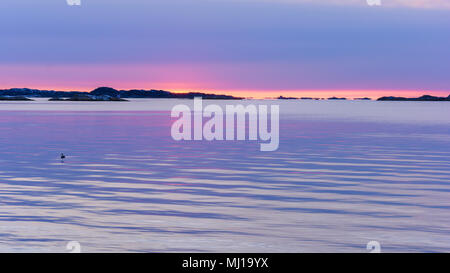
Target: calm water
point(346, 173)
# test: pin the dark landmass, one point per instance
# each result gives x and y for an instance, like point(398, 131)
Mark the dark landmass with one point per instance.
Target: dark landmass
point(293, 98)
point(111, 94)
point(286, 98)
point(422, 98)
point(107, 94)
point(88, 98)
point(14, 98)
point(335, 98)
point(308, 98)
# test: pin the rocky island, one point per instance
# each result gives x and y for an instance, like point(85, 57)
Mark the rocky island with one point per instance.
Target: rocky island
point(336, 98)
point(14, 98)
point(105, 94)
point(422, 98)
point(286, 98)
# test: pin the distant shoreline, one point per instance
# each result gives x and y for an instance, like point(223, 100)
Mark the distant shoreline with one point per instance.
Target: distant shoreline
point(104, 94)
point(386, 98)
point(111, 94)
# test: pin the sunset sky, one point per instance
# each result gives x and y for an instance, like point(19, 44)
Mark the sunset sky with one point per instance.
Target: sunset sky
point(252, 48)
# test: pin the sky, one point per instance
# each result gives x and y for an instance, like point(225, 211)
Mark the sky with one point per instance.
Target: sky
point(251, 48)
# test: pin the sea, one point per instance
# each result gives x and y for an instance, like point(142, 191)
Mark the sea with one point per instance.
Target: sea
point(345, 173)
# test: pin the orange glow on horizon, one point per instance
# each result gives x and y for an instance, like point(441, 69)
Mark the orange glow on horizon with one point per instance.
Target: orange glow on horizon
point(350, 94)
point(174, 78)
point(267, 94)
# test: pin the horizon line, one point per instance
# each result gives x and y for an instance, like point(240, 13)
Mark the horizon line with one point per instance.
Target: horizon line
point(270, 94)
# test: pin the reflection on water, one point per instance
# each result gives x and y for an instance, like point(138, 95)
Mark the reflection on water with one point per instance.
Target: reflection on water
point(127, 186)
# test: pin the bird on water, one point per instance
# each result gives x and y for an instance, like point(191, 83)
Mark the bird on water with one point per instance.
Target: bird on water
point(62, 157)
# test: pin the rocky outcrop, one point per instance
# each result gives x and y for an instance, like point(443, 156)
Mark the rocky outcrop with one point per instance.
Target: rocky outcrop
point(109, 94)
point(14, 98)
point(422, 98)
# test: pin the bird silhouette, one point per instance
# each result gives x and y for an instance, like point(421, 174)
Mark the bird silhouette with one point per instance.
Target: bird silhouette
point(62, 157)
